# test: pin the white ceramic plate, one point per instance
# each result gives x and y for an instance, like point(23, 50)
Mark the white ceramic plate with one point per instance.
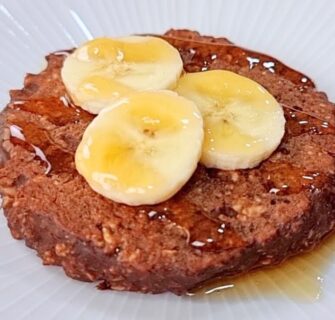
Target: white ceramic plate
point(300, 33)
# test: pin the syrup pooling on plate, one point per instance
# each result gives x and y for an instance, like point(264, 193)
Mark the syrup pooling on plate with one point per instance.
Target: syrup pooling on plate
point(301, 278)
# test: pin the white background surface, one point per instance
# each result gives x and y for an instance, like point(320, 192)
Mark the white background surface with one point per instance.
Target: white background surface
point(300, 33)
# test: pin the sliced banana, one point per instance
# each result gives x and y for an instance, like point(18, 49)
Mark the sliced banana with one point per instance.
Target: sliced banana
point(243, 122)
point(142, 149)
point(105, 69)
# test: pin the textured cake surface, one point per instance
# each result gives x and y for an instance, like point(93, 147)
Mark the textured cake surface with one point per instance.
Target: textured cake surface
point(221, 223)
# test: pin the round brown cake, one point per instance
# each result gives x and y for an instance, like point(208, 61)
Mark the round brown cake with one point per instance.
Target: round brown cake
point(221, 223)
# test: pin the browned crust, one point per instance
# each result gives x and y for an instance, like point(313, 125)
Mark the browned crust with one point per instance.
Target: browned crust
point(94, 239)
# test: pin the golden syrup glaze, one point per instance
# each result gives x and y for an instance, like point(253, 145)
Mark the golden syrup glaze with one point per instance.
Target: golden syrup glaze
point(204, 230)
point(197, 59)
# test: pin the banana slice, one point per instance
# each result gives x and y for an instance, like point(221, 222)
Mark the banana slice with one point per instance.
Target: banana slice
point(243, 122)
point(105, 69)
point(142, 149)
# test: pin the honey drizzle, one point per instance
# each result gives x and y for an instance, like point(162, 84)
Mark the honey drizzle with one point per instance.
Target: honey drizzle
point(306, 113)
point(287, 279)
